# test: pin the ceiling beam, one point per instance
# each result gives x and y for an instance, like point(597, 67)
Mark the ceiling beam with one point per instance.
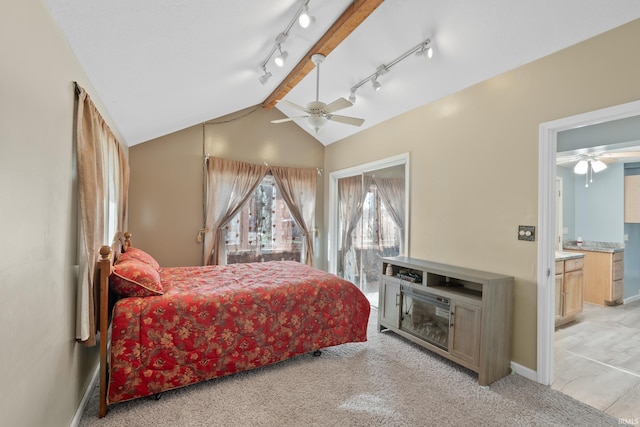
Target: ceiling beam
point(353, 16)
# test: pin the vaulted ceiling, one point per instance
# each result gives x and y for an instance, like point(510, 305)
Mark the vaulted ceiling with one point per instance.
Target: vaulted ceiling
point(160, 66)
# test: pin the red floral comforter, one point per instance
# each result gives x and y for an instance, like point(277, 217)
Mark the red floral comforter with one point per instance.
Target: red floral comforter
point(218, 320)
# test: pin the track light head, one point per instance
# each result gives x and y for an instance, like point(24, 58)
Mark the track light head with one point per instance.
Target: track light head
point(305, 19)
point(281, 58)
point(265, 77)
point(429, 52)
point(376, 84)
point(425, 50)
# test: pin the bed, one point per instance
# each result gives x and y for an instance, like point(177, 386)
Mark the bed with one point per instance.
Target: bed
point(171, 327)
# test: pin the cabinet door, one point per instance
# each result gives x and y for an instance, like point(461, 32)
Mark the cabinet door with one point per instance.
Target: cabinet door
point(573, 283)
point(617, 285)
point(632, 198)
point(389, 309)
point(559, 297)
point(464, 342)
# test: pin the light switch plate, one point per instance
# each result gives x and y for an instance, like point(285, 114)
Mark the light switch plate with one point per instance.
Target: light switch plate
point(527, 232)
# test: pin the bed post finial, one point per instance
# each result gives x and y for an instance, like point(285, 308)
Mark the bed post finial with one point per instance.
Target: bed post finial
point(105, 251)
point(127, 240)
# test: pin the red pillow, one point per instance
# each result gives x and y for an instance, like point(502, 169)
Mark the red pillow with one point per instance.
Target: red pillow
point(134, 278)
point(140, 255)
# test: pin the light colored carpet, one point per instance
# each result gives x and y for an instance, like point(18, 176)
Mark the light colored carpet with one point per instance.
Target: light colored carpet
point(386, 381)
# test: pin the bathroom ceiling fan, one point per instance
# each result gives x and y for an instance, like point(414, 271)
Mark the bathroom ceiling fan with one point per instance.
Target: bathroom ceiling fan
point(588, 163)
point(317, 112)
point(630, 155)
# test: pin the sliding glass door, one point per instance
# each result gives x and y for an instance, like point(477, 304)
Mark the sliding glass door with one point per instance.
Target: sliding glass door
point(370, 211)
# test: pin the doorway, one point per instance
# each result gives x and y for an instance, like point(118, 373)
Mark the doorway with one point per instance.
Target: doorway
point(547, 223)
point(368, 217)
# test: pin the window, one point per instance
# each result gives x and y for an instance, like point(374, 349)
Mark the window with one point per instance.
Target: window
point(111, 192)
point(264, 229)
point(368, 217)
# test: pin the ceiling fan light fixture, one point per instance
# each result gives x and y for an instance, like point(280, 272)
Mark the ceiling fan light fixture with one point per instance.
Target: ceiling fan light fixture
point(598, 166)
point(316, 122)
point(581, 167)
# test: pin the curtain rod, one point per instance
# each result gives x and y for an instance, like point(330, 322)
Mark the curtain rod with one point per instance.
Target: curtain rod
point(207, 156)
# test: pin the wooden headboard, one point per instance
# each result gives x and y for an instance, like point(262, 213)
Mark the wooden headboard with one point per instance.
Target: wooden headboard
point(108, 256)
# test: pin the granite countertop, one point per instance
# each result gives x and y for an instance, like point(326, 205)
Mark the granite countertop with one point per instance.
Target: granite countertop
point(562, 256)
point(595, 246)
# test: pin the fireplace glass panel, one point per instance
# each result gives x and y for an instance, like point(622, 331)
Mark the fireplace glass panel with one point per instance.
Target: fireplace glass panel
point(426, 317)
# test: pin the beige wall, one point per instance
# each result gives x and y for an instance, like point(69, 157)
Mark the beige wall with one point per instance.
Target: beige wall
point(474, 160)
point(166, 193)
point(43, 372)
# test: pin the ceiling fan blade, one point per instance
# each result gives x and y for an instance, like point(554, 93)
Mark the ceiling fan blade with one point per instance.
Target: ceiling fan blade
point(620, 155)
point(567, 159)
point(292, 105)
point(344, 119)
point(336, 105)
point(288, 119)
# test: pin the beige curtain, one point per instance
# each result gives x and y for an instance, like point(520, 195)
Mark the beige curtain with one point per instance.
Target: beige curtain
point(298, 188)
point(228, 186)
point(95, 144)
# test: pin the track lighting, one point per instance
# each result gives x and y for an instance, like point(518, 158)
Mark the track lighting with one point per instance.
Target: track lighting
point(352, 96)
point(304, 19)
point(281, 58)
point(375, 83)
point(265, 77)
point(425, 50)
point(422, 49)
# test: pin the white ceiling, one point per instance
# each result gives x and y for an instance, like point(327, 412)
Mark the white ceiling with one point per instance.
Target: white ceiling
point(159, 66)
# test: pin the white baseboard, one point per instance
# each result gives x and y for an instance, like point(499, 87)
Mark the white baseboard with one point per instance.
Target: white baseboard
point(75, 422)
point(631, 299)
point(524, 371)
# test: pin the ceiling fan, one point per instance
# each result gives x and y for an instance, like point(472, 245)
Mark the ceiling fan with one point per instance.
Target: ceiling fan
point(593, 162)
point(317, 112)
point(631, 154)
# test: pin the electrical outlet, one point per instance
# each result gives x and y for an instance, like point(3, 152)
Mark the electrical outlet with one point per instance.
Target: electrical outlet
point(527, 232)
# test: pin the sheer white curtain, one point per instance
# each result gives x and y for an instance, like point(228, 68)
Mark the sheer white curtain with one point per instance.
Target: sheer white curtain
point(391, 191)
point(298, 189)
point(229, 184)
point(352, 192)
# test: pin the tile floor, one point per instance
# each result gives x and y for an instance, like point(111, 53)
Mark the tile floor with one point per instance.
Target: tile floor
point(597, 360)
